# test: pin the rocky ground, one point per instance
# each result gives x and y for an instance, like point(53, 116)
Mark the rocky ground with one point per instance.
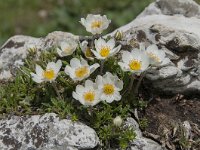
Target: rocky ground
point(170, 119)
point(173, 110)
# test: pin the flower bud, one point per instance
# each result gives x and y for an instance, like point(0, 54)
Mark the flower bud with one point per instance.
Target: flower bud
point(117, 121)
point(31, 48)
point(118, 35)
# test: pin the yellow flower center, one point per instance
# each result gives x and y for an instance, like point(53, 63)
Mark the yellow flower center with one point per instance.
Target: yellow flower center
point(67, 49)
point(49, 74)
point(96, 24)
point(108, 89)
point(105, 51)
point(153, 56)
point(135, 65)
point(88, 52)
point(81, 72)
point(89, 96)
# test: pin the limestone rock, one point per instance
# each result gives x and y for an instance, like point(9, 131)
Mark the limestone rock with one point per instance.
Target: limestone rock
point(188, 8)
point(178, 36)
point(15, 50)
point(45, 132)
point(141, 143)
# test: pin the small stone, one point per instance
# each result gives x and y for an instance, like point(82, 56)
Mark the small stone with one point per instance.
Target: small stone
point(141, 143)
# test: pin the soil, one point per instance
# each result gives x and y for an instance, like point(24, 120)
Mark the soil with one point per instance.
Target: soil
point(166, 116)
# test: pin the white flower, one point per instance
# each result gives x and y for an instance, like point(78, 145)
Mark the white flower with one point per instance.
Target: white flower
point(135, 61)
point(109, 85)
point(87, 95)
point(105, 49)
point(142, 46)
point(86, 50)
point(157, 57)
point(95, 23)
point(79, 69)
point(117, 121)
point(67, 47)
point(49, 74)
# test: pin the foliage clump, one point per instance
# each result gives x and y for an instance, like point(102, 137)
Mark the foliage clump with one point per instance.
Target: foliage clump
point(94, 87)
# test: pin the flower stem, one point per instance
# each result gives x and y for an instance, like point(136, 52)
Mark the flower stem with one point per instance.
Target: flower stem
point(131, 83)
point(90, 110)
point(101, 67)
point(127, 91)
point(57, 91)
point(139, 83)
point(92, 42)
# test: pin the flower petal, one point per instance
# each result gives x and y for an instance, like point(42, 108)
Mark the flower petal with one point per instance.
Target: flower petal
point(117, 96)
point(75, 62)
point(99, 44)
point(97, 55)
point(64, 45)
point(111, 43)
point(79, 89)
point(83, 21)
point(142, 46)
point(89, 83)
point(126, 56)
point(94, 67)
point(68, 70)
point(39, 71)
point(36, 78)
point(83, 46)
point(123, 66)
point(51, 65)
point(58, 65)
point(98, 80)
point(119, 84)
point(83, 62)
point(108, 99)
point(116, 50)
point(152, 48)
point(59, 51)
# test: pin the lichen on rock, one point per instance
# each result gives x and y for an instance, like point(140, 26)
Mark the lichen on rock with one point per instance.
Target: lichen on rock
point(45, 132)
point(178, 36)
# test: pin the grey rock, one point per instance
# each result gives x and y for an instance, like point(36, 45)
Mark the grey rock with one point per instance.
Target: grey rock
point(130, 122)
point(45, 132)
point(188, 8)
point(15, 50)
point(179, 37)
point(145, 144)
point(141, 143)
